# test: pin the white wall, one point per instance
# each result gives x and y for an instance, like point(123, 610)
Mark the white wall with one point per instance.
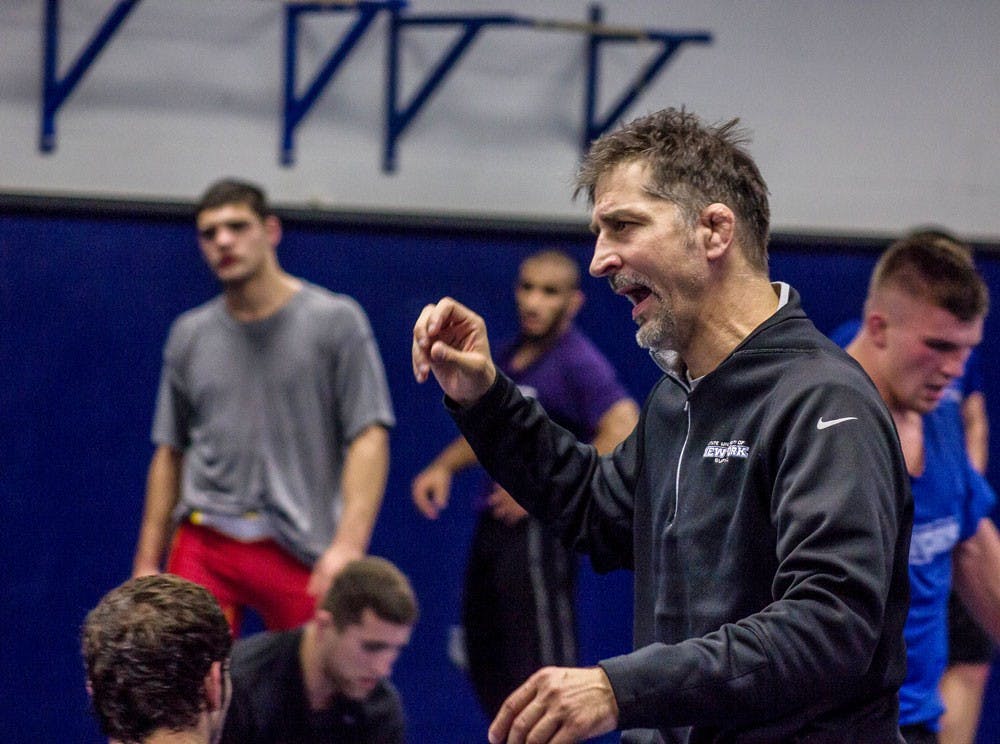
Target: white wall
point(866, 116)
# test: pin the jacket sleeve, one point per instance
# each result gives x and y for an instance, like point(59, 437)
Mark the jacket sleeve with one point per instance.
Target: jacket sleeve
point(586, 498)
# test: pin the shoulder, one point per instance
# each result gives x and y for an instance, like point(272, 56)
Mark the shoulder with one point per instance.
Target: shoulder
point(319, 299)
point(384, 704)
point(802, 379)
point(331, 314)
point(192, 323)
point(259, 655)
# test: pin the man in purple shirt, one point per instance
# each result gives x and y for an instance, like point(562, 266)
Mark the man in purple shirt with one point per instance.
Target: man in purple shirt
point(518, 610)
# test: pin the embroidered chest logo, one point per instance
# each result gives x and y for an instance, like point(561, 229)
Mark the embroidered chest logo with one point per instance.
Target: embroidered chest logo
point(721, 452)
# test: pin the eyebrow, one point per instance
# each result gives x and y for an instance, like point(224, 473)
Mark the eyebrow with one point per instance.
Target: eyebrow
point(611, 215)
point(378, 646)
point(236, 225)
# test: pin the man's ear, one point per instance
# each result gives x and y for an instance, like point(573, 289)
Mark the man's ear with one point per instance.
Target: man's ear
point(875, 325)
point(718, 228)
point(575, 303)
point(273, 227)
point(215, 686)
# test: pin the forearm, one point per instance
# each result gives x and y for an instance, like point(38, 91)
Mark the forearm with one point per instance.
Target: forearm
point(977, 577)
point(977, 433)
point(455, 457)
point(366, 469)
point(162, 495)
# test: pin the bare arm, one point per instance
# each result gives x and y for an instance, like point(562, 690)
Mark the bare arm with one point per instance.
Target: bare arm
point(366, 468)
point(163, 489)
point(432, 485)
point(977, 576)
point(616, 424)
point(977, 430)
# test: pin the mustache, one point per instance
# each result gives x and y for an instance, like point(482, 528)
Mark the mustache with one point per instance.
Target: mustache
point(619, 282)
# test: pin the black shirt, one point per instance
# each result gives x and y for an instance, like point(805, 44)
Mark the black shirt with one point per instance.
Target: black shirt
point(269, 704)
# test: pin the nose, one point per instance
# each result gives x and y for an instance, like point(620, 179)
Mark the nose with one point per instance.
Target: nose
point(954, 363)
point(530, 300)
point(384, 664)
point(605, 260)
point(223, 235)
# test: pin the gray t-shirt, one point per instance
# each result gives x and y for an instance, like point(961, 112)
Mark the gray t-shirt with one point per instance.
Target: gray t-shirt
point(264, 411)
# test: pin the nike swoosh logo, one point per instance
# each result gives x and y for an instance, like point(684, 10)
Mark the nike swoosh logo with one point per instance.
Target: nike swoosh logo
point(821, 424)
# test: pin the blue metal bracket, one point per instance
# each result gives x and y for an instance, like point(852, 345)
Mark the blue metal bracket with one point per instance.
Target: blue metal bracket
point(669, 42)
point(295, 109)
point(398, 117)
point(55, 91)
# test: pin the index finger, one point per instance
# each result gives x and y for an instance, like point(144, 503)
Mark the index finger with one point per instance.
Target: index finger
point(430, 321)
point(421, 343)
point(512, 706)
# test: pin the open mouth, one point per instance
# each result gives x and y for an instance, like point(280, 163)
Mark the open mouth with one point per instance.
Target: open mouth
point(636, 292)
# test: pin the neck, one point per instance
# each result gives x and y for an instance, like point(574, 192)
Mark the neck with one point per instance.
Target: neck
point(529, 349)
point(260, 296)
point(909, 423)
point(199, 735)
point(319, 688)
point(725, 319)
point(910, 429)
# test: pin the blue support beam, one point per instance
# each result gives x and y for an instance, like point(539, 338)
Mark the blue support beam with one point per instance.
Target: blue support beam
point(295, 108)
point(399, 117)
point(669, 44)
point(55, 91)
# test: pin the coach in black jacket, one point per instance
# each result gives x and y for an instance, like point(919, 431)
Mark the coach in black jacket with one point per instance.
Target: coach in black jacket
point(762, 500)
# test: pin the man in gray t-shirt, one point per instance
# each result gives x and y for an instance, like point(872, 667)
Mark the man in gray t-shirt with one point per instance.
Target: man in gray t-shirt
point(271, 427)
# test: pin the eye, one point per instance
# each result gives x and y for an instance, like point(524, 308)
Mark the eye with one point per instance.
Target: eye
point(238, 226)
point(943, 347)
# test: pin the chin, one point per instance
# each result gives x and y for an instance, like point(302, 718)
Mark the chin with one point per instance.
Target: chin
point(359, 692)
point(651, 336)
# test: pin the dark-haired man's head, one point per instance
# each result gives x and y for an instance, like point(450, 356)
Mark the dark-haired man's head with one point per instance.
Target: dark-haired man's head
point(156, 653)
point(362, 625)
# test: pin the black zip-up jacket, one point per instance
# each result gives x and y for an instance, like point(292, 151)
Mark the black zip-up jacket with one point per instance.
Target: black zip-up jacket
point(766, 514)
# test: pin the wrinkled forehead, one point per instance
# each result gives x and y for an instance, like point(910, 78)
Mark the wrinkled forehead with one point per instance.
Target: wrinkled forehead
point(632, 174)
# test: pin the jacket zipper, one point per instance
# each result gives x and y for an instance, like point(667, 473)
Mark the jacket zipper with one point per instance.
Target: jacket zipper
point(680, 459)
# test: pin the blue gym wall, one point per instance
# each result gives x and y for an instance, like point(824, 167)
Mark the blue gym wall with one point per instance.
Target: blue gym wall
point(86, 303)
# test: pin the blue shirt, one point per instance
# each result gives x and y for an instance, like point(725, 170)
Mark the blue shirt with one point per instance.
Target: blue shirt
point(949, 499)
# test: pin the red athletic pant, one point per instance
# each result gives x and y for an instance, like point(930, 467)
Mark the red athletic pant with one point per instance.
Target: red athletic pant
point(260, 574)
